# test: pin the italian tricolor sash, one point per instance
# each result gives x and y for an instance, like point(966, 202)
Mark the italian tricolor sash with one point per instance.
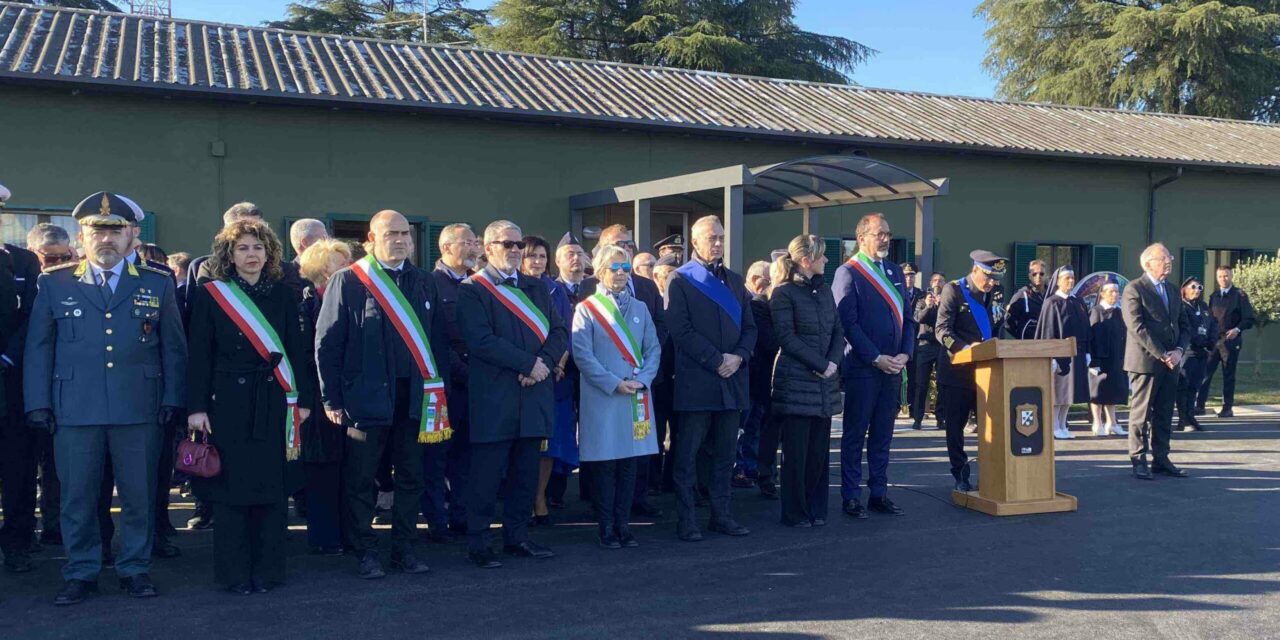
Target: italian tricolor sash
point(884, 286)
point(516, 302)
point(434, 424)
point(610, 318)
point(245, 313)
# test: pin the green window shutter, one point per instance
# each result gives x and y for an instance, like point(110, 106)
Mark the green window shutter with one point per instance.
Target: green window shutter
point(433, 244)
point(1106, 257)
point(1023, 254)
point(148, 227)
point(1193, 263)
point(289, 253)
point(834, 259)
point(911, 255)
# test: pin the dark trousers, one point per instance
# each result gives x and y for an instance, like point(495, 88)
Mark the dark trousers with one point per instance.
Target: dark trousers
point(924, 363)
point(770, 437)
point(164, 480)
point(805, 443)
point(747, 462)
point(324, 504)
point(19, 459)
point(520, 459)
point(1151, 414)
point(399, 440)
point(50, 489)
point(1189, 381)
point(1228, 374)
point(870, 405)
point(663, 398)
point(954, 406)
point(434, 508)
point(614, 485)
point(457, 463)
point(81, 452)
point(719, 429)
point(248, 543)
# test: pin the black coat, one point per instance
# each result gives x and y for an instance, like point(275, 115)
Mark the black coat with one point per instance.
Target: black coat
point(1023, 313)
point(322, 440)
point(447, 293)
point(1062, 318)
point(957, 329)
point(926, 318)
point(1106, 346)
point(246, 405)
point(356, 343)
point(501, 349)
point(810, 337)
point(702, 332)
point(1231, 310)
point(765, 353)
point(1203, 327)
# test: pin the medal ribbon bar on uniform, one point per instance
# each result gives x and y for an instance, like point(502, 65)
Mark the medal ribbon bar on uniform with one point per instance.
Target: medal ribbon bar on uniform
point(245, 313)
point(608, 316)
point(884, 286)
point(518, 303)
point(434, 424)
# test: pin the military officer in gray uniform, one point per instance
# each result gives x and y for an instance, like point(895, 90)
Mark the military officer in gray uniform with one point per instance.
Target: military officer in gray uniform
point(105, 364)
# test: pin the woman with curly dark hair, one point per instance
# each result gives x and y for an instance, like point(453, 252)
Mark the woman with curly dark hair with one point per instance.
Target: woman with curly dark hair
point(247, 369)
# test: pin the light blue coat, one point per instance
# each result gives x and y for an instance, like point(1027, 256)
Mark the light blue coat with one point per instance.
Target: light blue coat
point(605, 426)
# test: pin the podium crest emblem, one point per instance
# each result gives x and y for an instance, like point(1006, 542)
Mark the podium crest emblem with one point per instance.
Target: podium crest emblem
point(1028, 419)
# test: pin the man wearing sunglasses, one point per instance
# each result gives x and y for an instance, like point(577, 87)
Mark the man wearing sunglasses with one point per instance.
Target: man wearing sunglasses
point(646, 291)
point(1023, 312)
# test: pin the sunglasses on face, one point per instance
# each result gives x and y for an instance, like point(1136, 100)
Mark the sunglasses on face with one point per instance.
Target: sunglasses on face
point(56, 258)
point(1196, 287)
point(624, 267)
point(1037, 274)
point(510, 245)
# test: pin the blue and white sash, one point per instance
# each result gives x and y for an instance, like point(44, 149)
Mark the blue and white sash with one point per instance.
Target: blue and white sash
point(703, 280)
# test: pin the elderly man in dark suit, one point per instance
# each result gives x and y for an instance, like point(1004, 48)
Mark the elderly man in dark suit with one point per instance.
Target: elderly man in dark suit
point(1157, 337)
point(457, 259)
point(375, 364)
point(709, 317)
point(646, 291)
point(515, 339)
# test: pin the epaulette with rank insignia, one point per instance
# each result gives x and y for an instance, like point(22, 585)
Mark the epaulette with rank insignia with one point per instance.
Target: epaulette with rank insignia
point(61, 267)
point(147, 267)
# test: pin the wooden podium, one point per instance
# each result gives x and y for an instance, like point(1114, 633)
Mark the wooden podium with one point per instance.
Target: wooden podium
point(1015, 427)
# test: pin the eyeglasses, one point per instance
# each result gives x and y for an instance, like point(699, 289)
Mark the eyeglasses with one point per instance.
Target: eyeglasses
point(625, 244)
point(1195, 287)
point(55, 258)
point(1037, 274)
point(624, 267)
point(510, 245)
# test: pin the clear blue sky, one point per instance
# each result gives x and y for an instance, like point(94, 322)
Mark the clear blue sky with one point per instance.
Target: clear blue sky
point(924, 45)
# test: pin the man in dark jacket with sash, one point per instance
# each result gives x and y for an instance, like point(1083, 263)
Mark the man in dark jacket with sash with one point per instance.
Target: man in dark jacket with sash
point(515, 339)
point(710, 321)
point(383, 362)
point(965, 318)
point(879, 332)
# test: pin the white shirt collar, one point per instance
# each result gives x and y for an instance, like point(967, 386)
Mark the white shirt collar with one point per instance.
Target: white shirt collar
point(388, 267)
point(1226, 291)
point(132, 258)
point(502, 277)
point(1060, 294)
point(1153, 280)
point(117, 270)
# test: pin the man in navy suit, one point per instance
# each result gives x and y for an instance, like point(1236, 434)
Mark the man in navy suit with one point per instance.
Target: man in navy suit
point(871, 298)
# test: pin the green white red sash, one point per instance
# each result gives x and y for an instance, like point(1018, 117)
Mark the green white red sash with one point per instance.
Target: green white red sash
point(516, 302)
point(609, 317)
point(434, 426)
point(245, 313)
point(883, 285)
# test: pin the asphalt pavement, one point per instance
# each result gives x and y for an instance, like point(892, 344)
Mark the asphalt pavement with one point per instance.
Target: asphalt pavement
point(1172, 558)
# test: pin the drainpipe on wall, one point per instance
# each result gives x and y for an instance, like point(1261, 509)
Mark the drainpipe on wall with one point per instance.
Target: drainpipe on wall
point(1151, 201)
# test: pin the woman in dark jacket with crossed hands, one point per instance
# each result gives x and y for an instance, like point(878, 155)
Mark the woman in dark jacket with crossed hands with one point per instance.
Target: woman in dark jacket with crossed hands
point(806, 387)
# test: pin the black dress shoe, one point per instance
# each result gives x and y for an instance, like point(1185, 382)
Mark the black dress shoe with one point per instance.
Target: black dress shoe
point(855, 509)
point(646, 510)
point(963, 486)
point(915, 426)
point(165, 549)
point(18, 562)
point(1226, 412)
point(407, 562)
point(242, 589)
point(1141, 471)
point(1168, 469)
point(370, 568)
point(690, 535)
point(610, 541)
point(627, 539)
point(769, 490)
point(483, 559)
point(139, 586)
point(528, 550)
point(74, 592)
point(885, 506)
point(728, 527)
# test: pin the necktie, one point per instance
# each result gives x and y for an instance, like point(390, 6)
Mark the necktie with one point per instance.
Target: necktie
point(510, 282)
point(1164, 297)
point(106, 285)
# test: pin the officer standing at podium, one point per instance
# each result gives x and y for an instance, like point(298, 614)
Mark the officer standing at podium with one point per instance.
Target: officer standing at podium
point(965, 318)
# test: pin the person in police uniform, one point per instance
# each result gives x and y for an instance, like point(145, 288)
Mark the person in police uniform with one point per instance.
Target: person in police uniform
point(672, 245)
point(104, 366)
point(966, 317)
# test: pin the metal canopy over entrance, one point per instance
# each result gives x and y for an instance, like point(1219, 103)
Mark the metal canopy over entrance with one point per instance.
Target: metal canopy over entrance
point(801, 185)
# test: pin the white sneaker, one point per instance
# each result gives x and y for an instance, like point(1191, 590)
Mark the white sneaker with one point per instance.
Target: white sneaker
point(1100, 430)
point(1063, 434)
point(1118, 430)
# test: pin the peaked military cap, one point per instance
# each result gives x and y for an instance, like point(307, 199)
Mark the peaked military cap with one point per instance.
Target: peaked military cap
point(105, 209)
point(567, 239)
point(990, 263)
point(674, 240)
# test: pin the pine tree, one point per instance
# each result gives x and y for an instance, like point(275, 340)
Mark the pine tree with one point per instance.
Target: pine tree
point(756, 37)
point(447, 21)
point(1199, 57)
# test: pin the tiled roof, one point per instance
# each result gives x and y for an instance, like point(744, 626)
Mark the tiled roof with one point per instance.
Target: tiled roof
point(45, 44)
